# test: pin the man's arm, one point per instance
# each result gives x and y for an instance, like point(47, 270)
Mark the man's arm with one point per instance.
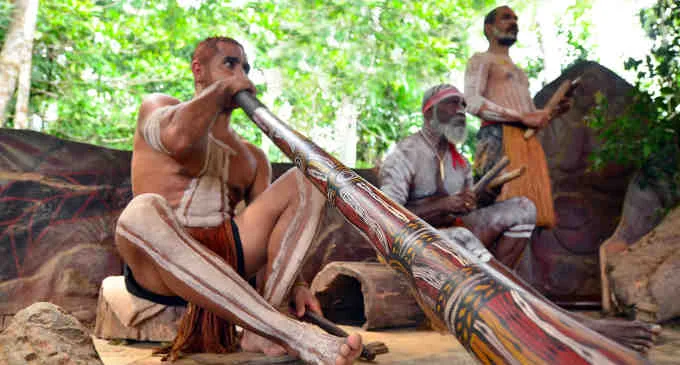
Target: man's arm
point(442, 210)
point(174, 128)
point(476, 82)
point(396, 177)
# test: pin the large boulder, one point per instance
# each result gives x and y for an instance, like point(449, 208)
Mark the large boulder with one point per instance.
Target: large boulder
point(564, 260)
point(45, 334)
point(643, 277)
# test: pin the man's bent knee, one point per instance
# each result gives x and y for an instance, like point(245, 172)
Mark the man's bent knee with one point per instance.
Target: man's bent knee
point(524, 210)
point(305, 189)
point(465, 238)
point(142, 211)
point(140, 207)
point(133, 216)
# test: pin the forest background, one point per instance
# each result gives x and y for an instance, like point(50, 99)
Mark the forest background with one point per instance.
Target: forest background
point(349, 74)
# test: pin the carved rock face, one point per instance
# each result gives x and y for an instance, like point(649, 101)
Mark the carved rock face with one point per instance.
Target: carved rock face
point(588, 204)
point(43, 333)
point(60, 202)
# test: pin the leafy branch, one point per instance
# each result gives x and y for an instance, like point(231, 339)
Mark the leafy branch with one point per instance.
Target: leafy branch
point(646, 135)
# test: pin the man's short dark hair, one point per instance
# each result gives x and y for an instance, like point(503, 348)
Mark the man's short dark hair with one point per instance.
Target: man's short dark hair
point(490, 18)
point(207, 48)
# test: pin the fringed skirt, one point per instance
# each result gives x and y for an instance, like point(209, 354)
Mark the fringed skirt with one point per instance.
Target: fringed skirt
point(201, 331)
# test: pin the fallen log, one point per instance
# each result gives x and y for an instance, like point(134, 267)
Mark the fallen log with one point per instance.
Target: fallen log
point(492, 313)
point(368, 294)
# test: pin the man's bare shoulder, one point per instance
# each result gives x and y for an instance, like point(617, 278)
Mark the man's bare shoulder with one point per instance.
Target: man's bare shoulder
point(154, 101)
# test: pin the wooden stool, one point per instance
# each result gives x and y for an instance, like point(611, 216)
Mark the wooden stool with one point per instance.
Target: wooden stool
point(121, 315)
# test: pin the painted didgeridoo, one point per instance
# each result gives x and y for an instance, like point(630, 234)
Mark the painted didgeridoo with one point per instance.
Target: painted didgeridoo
point(497, 319)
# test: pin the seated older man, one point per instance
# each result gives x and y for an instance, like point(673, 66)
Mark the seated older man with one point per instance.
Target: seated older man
point(426, 173)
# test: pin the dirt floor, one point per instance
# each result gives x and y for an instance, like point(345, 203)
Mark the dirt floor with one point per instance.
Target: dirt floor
point(407, 347)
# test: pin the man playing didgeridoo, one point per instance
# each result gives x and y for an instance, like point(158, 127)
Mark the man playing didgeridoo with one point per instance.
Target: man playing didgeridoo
point(179, 236)
point(498, 92)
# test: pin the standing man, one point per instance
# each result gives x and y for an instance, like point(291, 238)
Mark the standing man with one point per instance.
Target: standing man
point(182, 242)
point(497, 91)
point(426, 173)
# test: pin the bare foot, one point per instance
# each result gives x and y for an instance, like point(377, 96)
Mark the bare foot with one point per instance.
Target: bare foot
point(252, 342)
point(324, 349)
point(349, 351)
point(637, 335)
point(314, 347)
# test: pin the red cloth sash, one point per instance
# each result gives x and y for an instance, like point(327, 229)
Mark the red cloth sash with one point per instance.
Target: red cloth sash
point(488, 122)
point(456, 157)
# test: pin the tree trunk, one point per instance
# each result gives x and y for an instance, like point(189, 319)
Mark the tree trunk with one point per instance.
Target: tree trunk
point(15, 60)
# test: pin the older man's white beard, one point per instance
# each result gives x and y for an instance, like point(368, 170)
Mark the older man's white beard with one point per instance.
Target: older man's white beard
point(453, 131)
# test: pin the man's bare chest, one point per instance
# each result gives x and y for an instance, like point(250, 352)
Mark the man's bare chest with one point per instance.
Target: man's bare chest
point(505, 72)
point(242, 170)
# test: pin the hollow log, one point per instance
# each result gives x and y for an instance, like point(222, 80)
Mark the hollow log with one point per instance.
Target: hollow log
point(368, 294)
point(493, 314)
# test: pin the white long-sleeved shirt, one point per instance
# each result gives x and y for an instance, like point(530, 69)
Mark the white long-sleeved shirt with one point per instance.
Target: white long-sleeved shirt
point(410, 171)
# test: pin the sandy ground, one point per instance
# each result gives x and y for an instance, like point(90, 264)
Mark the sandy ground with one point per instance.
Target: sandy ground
point(407, 347)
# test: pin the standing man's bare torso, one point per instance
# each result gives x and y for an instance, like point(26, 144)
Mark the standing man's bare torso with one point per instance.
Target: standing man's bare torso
point(507, 85)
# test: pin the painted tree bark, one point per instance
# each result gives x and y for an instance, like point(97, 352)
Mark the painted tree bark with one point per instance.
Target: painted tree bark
point(15, 61)
point(492, 313)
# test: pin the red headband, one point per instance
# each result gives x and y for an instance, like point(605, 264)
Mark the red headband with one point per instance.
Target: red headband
point(439, 96)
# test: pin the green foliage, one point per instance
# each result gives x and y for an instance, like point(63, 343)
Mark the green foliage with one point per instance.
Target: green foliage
point(646, 135)
point(95, 60)
point(533, 67)
point(574, 28)
point(5, 17)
